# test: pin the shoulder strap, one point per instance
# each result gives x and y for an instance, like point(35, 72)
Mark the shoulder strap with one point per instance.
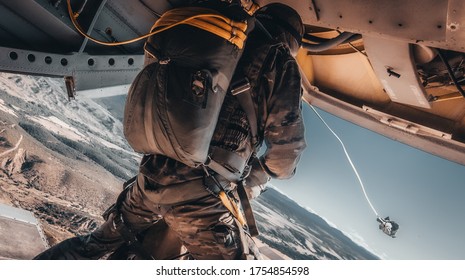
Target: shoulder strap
point(242, 88)
point(243, 93)
point(243, 83)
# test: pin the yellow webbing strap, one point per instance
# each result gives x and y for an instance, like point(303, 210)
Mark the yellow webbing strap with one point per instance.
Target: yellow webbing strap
point(252, 9)
point(206, 19)
point(232, 207)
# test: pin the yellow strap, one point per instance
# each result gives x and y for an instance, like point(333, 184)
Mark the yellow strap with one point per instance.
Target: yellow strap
point(205, 19)
point(239, 29)
point(232, 207)
point(180, 14)
point(253, 8)
point(235, 34)
point(236, 38)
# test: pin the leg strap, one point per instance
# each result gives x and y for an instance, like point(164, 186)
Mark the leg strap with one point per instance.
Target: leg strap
point(215, 188)
point(247, 208)
point(249, 248)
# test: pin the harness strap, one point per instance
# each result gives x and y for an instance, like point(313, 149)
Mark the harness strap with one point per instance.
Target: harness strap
point(232, 36)
point(243, 92)
point(226, 163)
point(249, 219)
point(205, 19)
point(244, 243)
point(214, 187)
point(247, 208)
point(232, 207)
point(250, 250)
point(249, 6)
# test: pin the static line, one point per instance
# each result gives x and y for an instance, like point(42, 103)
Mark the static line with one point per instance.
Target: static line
point(348, 158)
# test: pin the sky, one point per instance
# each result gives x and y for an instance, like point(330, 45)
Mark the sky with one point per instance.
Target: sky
point(423, 193)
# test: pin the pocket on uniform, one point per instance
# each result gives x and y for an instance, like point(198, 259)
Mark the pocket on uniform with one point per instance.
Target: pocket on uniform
point(223, 234)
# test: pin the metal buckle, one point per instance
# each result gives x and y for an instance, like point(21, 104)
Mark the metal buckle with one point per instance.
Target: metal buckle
point(241, 87)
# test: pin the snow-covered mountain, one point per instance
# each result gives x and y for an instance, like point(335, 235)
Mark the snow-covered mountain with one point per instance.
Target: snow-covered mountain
point(293, 230)
point(65, 161)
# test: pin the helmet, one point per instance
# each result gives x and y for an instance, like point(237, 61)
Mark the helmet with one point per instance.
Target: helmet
point(283, 16)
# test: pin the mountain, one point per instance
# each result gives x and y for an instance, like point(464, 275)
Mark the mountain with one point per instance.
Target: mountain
point(294, 231)
point(65, 161)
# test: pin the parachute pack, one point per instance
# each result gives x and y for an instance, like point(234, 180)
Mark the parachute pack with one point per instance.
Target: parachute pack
point(173, 104)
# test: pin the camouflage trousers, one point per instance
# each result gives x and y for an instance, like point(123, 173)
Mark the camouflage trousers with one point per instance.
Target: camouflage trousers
point(197, 218)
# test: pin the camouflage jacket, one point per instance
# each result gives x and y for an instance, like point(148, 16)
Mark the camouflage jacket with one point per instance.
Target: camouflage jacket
point(277, 94)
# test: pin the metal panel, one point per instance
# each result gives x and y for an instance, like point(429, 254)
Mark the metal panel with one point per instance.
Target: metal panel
point(159, 7)
point(119, 21)
point(414, 20)
point(43, 20)
point(22, 28)
point(41, 26)
point(138, 16)
point(440, 146)
point(305, 8)
point(456, 25)
point(89, 71)
point(33, 24)
point(393, 63)
point(435, 23)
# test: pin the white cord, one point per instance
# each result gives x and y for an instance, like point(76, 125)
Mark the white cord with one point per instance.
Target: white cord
point(348, 158)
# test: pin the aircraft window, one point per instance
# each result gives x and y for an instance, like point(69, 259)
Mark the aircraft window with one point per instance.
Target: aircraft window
point(48, 60)
point(111, 61)
point(64, 61)
point(13, 55)
point(91, 62)
point(31, 57)
point(131, 61)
